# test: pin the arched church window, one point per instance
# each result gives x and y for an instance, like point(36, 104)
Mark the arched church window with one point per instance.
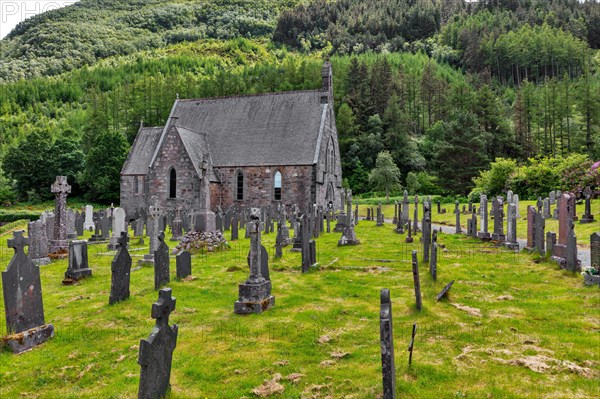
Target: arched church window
point(136, 185)
point(277, 186)
point(173, 184)
point(330, 157)
point(239, 192)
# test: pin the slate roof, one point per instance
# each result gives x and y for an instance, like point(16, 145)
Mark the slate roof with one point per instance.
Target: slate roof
point(265, 129)
point(196, 145)
point(140, 156)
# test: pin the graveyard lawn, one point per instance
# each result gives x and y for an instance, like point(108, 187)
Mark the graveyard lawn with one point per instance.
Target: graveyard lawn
point(582, 230)
point(509, 328)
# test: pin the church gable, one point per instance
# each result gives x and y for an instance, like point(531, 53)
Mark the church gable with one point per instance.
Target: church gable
point(141, 153)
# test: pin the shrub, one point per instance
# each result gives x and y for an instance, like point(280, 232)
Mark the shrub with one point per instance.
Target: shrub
point(493, 181)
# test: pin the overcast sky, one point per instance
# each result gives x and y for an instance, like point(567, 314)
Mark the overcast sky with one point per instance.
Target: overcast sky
point(14, 11)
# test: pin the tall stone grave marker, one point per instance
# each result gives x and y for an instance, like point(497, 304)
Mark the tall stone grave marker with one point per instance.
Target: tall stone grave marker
point(587, 215)
point(71, 229)
point(498, 212)
point(156, 352)
point(118, 226)
point(89, 218)
point(511, 239)
point(23, 304)
point(595, 250)
point(483, 214)
point(255, 293)
point(60, 189)
point(417, 282)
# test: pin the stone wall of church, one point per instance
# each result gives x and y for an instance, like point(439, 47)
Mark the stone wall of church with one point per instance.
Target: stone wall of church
point(173, 156)
point(132, 200)
point(298, 186)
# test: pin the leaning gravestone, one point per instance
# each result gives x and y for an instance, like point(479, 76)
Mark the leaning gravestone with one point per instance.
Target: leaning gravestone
point(161, 263)
point(416, 280)
point(386, 335)
point(120, 272)
point(58, 244)
point(78, 262)
point(183, 262)
point(255, 293)
point(38, 243)
point(23, 304)
point(156, 352)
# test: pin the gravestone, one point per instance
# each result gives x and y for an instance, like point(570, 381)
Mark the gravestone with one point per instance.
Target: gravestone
point(409, 237)
point(511, 226)
point(404, 214)
point(546, 208)
point(278, 244)
point(552, 197)
point(118, 226)
point(439, 207)
point(255, 293)
point(417, 283)
point(426, 228)
point(498, 212)
point(89, 218)
point(539, 235)
point(71, 229)
point(138, 227)
point(152, 231)
point(23, 303)
point(395, 220)
point(219, 219)
point(349, 235)
point(433, 261)
point(509, 197)
point(369, 213)
point(234, 227)
point(78, 262)
point(595, 250)
point(227, 219)
point(356, 214)
point(97, 236)
point(571, 207)
point(58, 244)
point(530, 227)
point(572, 263)
point(416, 215)
point(539, 204)
point(79, 223)
point(156, 352)
point(550, 243)
point(587, 215)
point(379, 215)
point(516, 202)
point(162, 263)
point(105, 227)
point(183, 263)
point(386, 335)
point(483, 214)
point(457, 229)
point(560, 249)
point(38, 243)
point(176, 226)
point(120, 272)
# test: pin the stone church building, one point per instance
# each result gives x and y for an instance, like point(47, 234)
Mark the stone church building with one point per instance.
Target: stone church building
point(251, 150)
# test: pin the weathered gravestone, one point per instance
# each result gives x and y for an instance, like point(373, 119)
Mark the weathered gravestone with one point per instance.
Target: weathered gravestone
point(552, 197)
point(255, 293)
point(433, 261)
point(152, 231)
point(395, 219)
point(444, 291)
point(426, 227)
point(349, 235)
point(38, 242)
point(587, 215)
point(278, 243)
point(23, 304)
point(546, 208)
point(306, 243)
point(183, 263)
point(386, 334)
point(176, 226)
point(89, 218)
point(78, 262)
point(234, 226)
point(416, 280)
point(58, 245)
point(120, 272)
point(156, 352)
point(71, 229)
point(162, 263)
point(498, 212)
point(550, 243)
point(105, 227)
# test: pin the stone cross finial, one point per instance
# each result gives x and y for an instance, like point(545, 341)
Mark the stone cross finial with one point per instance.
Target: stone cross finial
point(161, 309)
point(123, 240)
point(60, 186)
point(19, 241)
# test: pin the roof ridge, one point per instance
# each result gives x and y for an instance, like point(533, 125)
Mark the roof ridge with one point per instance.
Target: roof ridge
point(273, 93)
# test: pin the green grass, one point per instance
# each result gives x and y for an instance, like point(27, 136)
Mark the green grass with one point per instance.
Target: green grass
point(224, 355)
point(582, 231)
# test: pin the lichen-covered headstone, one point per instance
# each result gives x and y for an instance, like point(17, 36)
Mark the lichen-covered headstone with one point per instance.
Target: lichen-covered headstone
point(120, 272)
point(156, 352)
point(38, 242)
point(161, 263)
point(23, 304)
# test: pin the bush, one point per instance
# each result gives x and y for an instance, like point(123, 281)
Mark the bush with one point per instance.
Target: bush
point(493, 181)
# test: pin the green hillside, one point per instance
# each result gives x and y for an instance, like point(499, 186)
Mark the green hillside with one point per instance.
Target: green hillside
point(514, 80)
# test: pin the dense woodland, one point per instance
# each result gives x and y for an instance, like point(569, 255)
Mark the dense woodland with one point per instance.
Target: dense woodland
point(449, 89)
